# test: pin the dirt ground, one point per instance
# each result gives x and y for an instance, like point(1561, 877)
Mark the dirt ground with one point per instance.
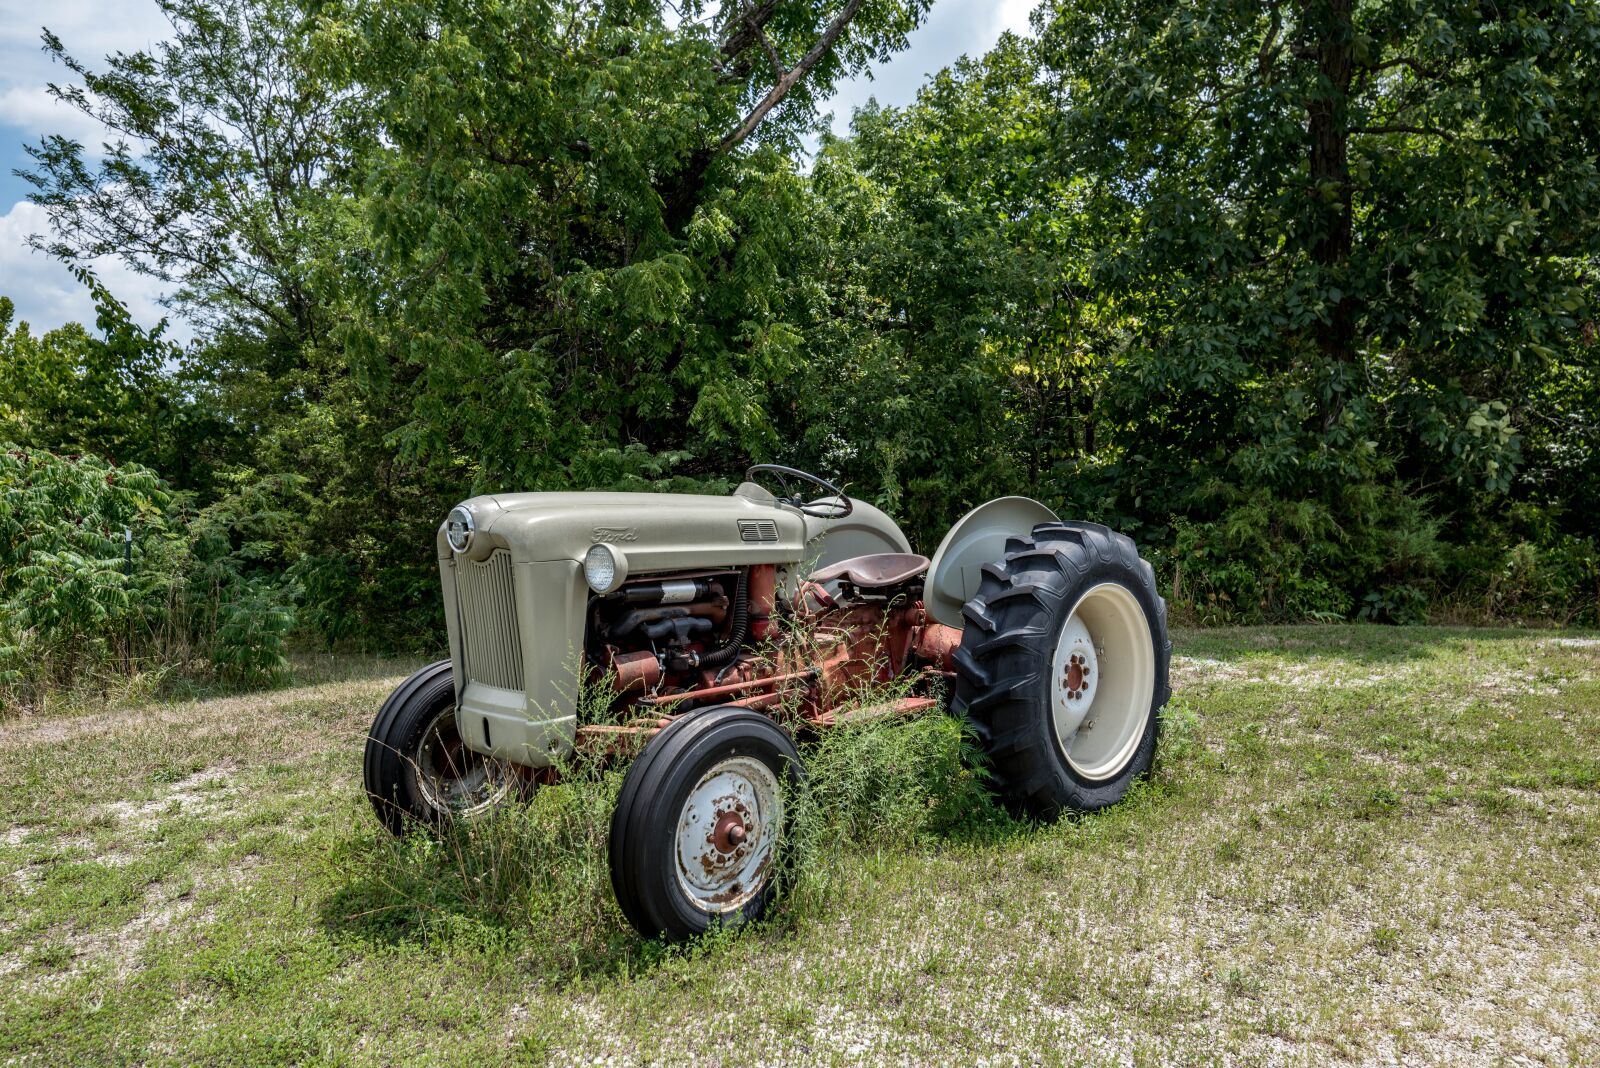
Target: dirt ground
point(1363, 846)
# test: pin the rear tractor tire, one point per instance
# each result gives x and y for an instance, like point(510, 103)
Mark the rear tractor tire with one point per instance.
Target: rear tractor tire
point(697, 830)
point(416, 768)
point(1062, 669)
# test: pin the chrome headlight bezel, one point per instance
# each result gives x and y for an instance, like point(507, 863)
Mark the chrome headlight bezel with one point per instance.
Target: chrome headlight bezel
point(605, 567)
point(459, 528)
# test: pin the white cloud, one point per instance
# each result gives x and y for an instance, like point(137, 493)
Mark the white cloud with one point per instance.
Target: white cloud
point(34, 111)
point(90, 31)
point(954, 28)
point(47, 295)
point(89, 28)
point(44, 291)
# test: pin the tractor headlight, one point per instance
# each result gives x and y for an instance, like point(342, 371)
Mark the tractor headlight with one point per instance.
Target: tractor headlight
point(604, 568)
point(458, 528)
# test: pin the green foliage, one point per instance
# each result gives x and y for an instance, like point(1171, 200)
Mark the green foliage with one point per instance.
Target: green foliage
point(1348, 245)
point(64, 597)
point(249, 641)
point(124, 393)
point(1301, 298)
point(100, 564)
point(538, 162)
point(1557, 580)
point(1265, 559)
point(892, 781)
point(1265, 285)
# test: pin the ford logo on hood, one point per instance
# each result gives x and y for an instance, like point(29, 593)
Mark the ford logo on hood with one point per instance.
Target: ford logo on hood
point(458, 528)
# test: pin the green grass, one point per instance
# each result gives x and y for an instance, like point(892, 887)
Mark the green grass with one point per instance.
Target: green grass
point(1362, 845)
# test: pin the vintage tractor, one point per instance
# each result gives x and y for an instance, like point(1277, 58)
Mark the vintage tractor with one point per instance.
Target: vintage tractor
point(724, 627)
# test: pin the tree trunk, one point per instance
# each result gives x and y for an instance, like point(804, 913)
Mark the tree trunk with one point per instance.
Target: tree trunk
point(1332, 34)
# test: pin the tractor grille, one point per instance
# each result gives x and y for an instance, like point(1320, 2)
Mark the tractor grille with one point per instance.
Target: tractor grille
point(490, 641)
point(758, 530)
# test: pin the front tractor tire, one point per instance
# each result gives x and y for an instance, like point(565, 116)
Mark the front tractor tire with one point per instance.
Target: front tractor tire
point(1062, 669)
point(417, 769)
point(695, 837)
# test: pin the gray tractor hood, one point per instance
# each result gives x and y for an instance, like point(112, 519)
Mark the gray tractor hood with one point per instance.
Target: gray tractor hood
point(656, 531)
point(515, 597)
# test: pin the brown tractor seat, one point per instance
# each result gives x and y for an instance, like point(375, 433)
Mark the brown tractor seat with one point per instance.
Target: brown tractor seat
point(874, 570)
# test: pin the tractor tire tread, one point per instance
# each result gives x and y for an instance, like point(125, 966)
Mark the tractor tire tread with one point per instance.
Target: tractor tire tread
point(381, 759)
point(1019, 605)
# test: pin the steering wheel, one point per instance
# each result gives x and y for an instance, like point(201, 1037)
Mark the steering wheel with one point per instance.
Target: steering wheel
point(835, 506)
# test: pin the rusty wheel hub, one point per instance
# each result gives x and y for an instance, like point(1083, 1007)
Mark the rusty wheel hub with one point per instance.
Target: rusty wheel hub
point(1078, 672)
point(452, 778)
point(730, 832)
point(726, 834)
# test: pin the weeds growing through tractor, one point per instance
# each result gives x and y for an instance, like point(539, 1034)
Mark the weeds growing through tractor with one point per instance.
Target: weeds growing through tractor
point(880, 784)
point(533, 875)
point(534, 865)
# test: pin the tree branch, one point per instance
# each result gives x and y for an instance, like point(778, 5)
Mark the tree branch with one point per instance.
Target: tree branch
point(750, 24)
point(1417, 67)
point(792, 77)
point(1269, 44)
point(772, 53)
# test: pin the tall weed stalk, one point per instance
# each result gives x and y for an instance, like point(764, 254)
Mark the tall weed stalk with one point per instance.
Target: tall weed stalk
point(533, 877)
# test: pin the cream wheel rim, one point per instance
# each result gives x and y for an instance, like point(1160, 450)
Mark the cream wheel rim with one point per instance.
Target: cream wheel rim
point(1102, 681)
point(454, 780)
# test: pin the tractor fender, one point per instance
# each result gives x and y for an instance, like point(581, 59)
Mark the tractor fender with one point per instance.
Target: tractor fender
point(866, 530)
point(978, 538)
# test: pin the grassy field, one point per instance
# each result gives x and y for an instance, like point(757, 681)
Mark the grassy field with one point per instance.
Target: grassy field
point(1362, 845)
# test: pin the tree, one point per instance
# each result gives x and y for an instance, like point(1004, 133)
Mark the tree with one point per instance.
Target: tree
point(223, 146)
point(586, 223)
point(229, 173)
point(125, 394)
point(1349, 239)
point(948, 343)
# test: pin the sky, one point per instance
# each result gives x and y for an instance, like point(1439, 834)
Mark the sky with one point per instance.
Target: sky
point(45, 293)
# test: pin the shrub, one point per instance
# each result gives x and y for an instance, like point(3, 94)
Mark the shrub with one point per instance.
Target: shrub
point(68, 604)
point(1368, 551)
point(1515, 562)
point(78, 596)
point(1553, 582)
point(248, 646)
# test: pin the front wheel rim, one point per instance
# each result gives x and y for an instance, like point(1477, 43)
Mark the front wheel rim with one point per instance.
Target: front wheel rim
point(452, 780)
point(1102, 682)
point(727, 832)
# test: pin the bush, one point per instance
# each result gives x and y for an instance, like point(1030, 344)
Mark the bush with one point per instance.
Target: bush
point(883, 783)
point(1551, 583)
point(248, 647)
point(67, 603)
point(199, 590)
point(1370, 552)
point(1516, 563)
